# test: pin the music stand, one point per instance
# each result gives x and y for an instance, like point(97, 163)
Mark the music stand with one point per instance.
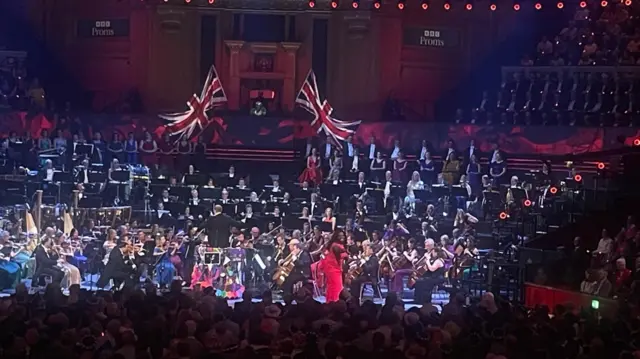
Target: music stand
point(175, 208)
point(238, 193)
point(209, 193)
point(194, 180)
point(83, 149)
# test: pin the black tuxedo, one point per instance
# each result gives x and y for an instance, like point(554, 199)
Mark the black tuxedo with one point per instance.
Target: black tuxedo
point(472, 152)
point(316, 210)
point(301, 272)
point(46, 264)
point(361, 187)
point(80, 176)
point(118, 268)
point(218, 227)
point(369, 274)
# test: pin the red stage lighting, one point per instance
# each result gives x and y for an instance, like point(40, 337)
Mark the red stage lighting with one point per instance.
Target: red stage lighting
point(354, 4)
point(527, 203)
point(312, 4)
point(604, 3)
point(447, 6)
point(401, 6)
point(493, 7)
point(211, 2)
point(553, 190)
point(600, 165)
point(577, 178)
point(503, 215)
point(334, 4)
point(583, 4)
point(537, 6)
point(560, 5)
point(636, 142)
point(516, 7)
point(469, 6)
point(628, 2)
point(376, 4)
point(187, 1)
point(424, 6)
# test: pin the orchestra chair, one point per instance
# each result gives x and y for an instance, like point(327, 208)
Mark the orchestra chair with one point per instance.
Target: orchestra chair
point(374, 286)
point(316, 290)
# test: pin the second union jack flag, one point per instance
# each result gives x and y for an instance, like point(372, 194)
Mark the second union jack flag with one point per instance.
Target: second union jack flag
point(309, 99)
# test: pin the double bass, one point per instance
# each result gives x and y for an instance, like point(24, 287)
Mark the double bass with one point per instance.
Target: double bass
point(420, 269)
point(284, 269)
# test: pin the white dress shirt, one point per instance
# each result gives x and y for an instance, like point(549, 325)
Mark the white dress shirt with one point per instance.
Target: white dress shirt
point(423, 153)
point(355, 163)
point(49, 176)
point(493, 156)
point(349, 149)
point(372, 151)
point(308, 150)
point(327, 150)
point(86, 176)
point(471, 150)
point(394, 154)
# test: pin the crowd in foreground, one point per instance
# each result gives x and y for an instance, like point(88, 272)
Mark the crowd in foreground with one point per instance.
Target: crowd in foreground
point(143, 324)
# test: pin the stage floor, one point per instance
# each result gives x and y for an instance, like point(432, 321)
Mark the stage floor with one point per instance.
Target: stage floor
point(439, 299)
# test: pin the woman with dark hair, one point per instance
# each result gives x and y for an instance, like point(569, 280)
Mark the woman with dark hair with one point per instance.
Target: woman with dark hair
point(332, 266)
point(433, 276)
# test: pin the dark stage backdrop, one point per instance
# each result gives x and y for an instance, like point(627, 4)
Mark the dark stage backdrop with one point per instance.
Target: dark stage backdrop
point(270, 133)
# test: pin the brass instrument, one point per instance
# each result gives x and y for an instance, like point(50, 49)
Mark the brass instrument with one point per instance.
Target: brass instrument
point(285, 269)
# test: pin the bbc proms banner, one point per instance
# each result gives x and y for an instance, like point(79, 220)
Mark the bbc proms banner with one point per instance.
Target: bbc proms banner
point(103, 28)
point(431, 37)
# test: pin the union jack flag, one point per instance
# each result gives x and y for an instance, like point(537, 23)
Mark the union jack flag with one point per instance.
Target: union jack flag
point(309, 99)
point(194, 120)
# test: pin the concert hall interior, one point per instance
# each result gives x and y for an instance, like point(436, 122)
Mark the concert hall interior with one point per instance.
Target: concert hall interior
point(358, 155)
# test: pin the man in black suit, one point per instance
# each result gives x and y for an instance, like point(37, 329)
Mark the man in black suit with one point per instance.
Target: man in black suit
point(315, 207)
point(370, 266)
point(350, 151)
point(47, 261)
point(81, 174)
point(218, 226)
point(472, 150)
point(119, 268)
point(301, 267)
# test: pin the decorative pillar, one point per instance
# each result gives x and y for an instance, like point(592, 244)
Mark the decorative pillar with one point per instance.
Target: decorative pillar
point(234, 73)
point(289, 87)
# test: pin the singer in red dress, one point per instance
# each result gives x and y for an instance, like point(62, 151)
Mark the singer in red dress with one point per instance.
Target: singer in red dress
point(312, 174)
point(332, 266)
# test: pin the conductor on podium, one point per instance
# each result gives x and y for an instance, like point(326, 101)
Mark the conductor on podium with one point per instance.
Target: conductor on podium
point(218, 226)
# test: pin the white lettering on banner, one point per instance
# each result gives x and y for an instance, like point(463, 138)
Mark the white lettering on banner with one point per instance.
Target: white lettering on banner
point(102, 32)
point(426, 41)
point(431, 33)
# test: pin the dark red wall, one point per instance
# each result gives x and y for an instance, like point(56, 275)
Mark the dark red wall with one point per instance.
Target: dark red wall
point(367, 59)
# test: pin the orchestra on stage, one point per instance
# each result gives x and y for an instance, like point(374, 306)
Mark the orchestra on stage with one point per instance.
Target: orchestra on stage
point(123, 213)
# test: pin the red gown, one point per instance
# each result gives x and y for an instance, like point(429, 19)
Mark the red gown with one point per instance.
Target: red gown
point(313, 173)
point(148, 158)
point(331, 266)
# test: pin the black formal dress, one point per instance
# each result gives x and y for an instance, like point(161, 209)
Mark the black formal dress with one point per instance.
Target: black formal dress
point(46, 264)
point(189, 260)
point(425, 284)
